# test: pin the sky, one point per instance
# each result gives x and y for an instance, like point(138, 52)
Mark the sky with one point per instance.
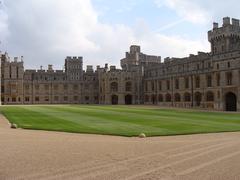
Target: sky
point(46, 31)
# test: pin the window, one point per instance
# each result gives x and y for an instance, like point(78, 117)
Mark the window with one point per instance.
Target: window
point(160, 98)
point(168, 98)
point(75, 98)
point(55, 87)
point(27, 87)
point(27, 99)
point(37, 87)
point(46, 87)
point(210, 96)
point(36, 98)
point(160, 85)
point(218, 79)
point(176, 83)
point(46, 98)
point(152, 84)
point(229, 78)
point(56, 98)
point(65, 98)
point(177, 97)
point(229, 64)
point(186, 82)
point(86, 98)
point(197, 82)
point(128, 86)
point(114, 86)
point(209, 81)
point(65, 87)
point(14, 99)
point(187, 97)
point(168, 84)
point(75, 87)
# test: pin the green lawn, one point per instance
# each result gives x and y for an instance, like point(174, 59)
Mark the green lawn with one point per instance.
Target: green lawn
point(120, 120)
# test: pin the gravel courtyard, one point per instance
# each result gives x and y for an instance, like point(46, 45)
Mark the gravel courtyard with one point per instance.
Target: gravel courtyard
point(28, 154)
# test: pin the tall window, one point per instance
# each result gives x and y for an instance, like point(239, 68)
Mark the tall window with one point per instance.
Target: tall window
point(168, 84)
point(176, 84)
point(197, 82)
point(209, 81)
point(152, 84)
point(210, 96)
point(160, 85)
point(128, 86)
point(186, 82)
point(229, 78)
point(114, 86)
point(218, 79)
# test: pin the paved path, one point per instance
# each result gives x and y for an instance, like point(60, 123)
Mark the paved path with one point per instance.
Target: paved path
point(27, 154)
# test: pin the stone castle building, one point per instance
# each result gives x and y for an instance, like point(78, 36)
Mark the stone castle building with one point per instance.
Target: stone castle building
point(207, 80)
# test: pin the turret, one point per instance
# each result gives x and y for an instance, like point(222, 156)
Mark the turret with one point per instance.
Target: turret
point(226, 38)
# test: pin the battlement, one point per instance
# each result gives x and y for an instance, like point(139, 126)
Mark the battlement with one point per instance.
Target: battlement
point(74, 58)
point(230, 27)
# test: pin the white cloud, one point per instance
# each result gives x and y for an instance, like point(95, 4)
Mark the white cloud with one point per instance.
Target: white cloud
point(46, 31)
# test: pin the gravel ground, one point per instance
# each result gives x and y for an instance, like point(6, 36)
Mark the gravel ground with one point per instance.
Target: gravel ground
point(28, 154)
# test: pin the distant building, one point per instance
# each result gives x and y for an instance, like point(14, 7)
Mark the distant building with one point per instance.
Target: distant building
point(206, 80)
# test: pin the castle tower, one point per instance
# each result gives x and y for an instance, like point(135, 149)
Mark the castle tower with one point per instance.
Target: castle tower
point(226, 38)
point(74, 68)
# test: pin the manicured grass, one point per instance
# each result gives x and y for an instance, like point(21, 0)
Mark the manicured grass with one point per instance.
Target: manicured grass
point(120, 120)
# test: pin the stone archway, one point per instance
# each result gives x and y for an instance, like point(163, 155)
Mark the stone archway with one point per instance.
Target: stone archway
point(230, 102)
point(128, 99)
point(114, 99)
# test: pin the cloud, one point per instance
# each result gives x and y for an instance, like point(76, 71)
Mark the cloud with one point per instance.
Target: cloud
point(47, 31)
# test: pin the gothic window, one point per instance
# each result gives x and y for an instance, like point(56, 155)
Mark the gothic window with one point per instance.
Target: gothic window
point(186, 82)
point(168, 84)
point(152, 84)
point(187, 97)
point(114, 86)
point(168, 98)
point(210, 96)
point(177, 97)
point(229, 78)
point(176, 83)
point(218, 79)
point(197, 82)
point(128, 86)
point(209, 81)
point(160, 85)
point(160, 98)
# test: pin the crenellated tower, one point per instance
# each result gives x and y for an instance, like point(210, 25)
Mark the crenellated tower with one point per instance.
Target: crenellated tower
point(74, 68)
point(226, 38)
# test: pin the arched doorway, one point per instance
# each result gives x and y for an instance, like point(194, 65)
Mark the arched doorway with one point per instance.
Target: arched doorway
point(128, 99)
point(231, 102)
point(198, 98)
point(114, 99)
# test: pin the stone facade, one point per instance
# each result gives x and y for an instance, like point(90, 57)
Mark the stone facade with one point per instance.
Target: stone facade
point(206, 80)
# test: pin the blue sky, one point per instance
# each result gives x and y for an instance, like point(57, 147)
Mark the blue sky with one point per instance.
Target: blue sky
point(45, 32)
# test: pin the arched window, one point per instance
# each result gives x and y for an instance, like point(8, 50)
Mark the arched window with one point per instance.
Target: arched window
point(210, 96)
point(177, 97)
point(128, 86)
point(187, 97)
point(160, 98)
point(114, 87)
point(168, 98)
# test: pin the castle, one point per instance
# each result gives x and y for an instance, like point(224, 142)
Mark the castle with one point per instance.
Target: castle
point(206, 80)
